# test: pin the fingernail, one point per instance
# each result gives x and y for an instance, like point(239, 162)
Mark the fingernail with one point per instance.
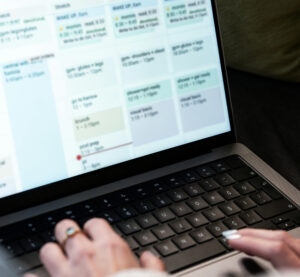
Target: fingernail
point(229, 233)
point(233, 237)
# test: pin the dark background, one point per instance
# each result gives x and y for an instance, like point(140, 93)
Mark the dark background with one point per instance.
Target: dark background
point(267, 117)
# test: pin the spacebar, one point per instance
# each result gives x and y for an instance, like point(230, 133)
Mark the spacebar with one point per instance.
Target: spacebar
point(193, 255)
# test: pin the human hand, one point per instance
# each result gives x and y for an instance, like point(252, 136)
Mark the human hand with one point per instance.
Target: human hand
point(98, 252)
point(278, 247)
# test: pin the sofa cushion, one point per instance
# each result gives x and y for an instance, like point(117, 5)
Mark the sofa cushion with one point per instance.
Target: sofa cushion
point(262, 36)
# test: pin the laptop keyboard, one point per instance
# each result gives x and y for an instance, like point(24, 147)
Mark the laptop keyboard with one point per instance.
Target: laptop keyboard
point(180, 218)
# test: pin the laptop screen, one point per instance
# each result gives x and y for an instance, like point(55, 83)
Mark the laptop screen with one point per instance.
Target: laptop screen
point(86, 84)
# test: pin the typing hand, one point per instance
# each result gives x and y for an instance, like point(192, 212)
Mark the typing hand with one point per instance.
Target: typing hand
point(96, 252)
point(278, 247)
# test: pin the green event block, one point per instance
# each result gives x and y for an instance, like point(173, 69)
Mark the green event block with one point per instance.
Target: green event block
point(149, 93)
point(197, 81)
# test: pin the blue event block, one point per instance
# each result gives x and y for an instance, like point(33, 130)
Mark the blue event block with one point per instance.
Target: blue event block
point(34, 123)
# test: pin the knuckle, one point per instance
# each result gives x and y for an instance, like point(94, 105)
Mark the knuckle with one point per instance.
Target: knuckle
point(65, 222)
point(111, 242)
point(278, 248)
point(85, 252)
point(81, 253)
point(99, 222)
point(283, 235)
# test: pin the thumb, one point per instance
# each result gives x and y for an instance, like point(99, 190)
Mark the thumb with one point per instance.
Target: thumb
point(149, 261)
point(29, 275)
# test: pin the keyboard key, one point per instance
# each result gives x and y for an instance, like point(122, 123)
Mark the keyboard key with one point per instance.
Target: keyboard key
point(141, 191)
point(107, 202)
point(144, 206)
point(234, 223)
point(205, 171)
point(224, 241)
point(217, 228)
point(180, 226)
point(164, 215)
point(132, 243)
point(158, 187)
point(295, 216)
point(229, 193)
point(213, 198)
point(147, 221)
point(148, 249)
point(279, 219)
point(220, 166)
point(166, 248)
point(213, 214)
point(250, 217)
point(193, 189)
point(229, 208)
point(88, 208)
point(245, 203)
point(10, 233)
point(190, 176)
point(242, 174)
point(201, 235)
point(163, 231)
point(110, 216)
point(244, 188)
point(174, 181)
point(265, 225)
point(275, 208)
point(224, 179)
point(145, 238)
point(161, 200)
point(184, 242)
point(197, 219)
point(13, 249)
point(234, 162)
point(272, 192)
point(129, 227)
point(117, 230)
point(261, 198)
point(126, 211)
point(209, 184)
point(48, 236)
point(194, 255)
point(258, 182)
point(181, 209)
point(26, 262)
point(31, 227)
point(289, 225)
point(177, 195)
point(197, 203)
point(32, 243)
point(123, 197)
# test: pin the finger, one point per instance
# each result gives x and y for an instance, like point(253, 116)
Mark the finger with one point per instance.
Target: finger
point(54, 260)
point(277, 252)
point(30, 275)
point(112, 252)
point(74, 246)
point(149, 261)
point(292, 242)
point(96, 228)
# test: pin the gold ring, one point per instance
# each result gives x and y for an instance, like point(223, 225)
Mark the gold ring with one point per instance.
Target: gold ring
point(70, 233)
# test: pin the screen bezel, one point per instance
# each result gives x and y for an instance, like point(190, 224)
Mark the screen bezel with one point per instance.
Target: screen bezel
point(130, 168)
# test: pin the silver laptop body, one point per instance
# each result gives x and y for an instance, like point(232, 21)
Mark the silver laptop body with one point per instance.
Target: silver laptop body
point(100, 96)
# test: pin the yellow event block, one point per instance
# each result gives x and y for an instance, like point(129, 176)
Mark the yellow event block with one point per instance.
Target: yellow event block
point(99, 124)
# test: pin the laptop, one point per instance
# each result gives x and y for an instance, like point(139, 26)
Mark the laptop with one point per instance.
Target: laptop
point(121, 110)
